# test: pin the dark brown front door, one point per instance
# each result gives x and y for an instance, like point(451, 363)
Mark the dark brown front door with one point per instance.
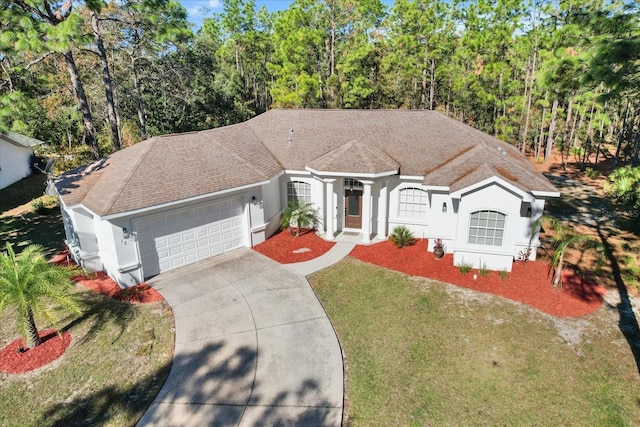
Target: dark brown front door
point(353, 208)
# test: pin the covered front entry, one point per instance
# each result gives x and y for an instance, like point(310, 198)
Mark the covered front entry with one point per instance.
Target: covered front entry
point(353, 208)
point(183, 236)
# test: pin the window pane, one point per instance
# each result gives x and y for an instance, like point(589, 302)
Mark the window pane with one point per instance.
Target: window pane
point(486, 228)
point(412, 203)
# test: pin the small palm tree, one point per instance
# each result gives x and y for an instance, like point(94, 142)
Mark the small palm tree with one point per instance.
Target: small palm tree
point(297, 214)
point(563, 239)
point(30, 284)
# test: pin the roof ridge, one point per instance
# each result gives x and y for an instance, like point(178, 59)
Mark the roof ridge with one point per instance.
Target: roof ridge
point(455, 158)
point(242, 159)
point(123, 184)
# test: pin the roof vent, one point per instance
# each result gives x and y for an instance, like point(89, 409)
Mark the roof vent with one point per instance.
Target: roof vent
point(290, 140)
point(502, 151)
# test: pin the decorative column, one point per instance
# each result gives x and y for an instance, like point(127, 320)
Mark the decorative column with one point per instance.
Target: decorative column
point(382, 210)
point(330, 211)
point(366, 212)
point(322, 208)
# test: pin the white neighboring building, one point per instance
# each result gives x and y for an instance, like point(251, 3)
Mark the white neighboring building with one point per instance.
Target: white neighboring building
point(16, 152)
point(176, 199)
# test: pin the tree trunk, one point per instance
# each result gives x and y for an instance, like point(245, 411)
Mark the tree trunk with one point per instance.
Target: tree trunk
point(541, 136)
point(636, 147)
point(108, 87)
point(552, 127)
point(557, 275)
point(621, 135)
point(32, 330)
point(432, 84)
point(141, 117)
point(528, 99)
point(87, 118)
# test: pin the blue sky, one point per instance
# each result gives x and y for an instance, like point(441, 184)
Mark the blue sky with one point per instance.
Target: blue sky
point(200, 9)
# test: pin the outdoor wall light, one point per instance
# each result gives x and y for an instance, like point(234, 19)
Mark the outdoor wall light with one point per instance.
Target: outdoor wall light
point(444, 207)
point(125, 233)
point(529, 211)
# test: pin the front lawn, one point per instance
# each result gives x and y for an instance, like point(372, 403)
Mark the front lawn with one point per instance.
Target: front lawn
point(118, 360)
point(420, 352)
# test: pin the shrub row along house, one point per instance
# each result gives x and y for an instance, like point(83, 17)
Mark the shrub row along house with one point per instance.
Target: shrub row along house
point(176, 199)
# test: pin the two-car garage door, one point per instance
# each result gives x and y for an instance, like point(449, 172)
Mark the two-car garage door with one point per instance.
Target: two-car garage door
point(186, 235)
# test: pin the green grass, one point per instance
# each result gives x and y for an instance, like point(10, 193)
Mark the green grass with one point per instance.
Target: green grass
point(22, 192)
point(28, 225)
point(120, 356)
point(420, 352)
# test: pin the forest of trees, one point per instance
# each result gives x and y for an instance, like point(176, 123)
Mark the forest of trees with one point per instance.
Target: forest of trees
point(90, 78)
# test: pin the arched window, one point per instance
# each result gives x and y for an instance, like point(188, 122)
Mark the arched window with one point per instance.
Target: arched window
point(487, 228)
point(412, 203)
point(298, 191)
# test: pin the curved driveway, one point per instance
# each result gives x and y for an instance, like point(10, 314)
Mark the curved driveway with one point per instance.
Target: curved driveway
point(253, 347)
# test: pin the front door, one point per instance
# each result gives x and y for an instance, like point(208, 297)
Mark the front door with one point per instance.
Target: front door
point(353, 208)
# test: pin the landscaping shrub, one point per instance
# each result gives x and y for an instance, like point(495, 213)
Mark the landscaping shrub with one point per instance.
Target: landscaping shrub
point(38, 206)
point(464, 268)
point(503, 274)
point(402, 237)
point(592, 173)
point(484, 271)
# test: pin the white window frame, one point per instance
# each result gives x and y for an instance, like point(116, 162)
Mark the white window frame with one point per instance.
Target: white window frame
point(413, 202)
point(298, 191)
point(487, 227)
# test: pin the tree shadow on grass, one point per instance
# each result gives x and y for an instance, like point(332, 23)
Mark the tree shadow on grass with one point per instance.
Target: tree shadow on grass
point(583, 205)
point(627, 323)
point(43, 229)
point(218, 391)
point(97, 310)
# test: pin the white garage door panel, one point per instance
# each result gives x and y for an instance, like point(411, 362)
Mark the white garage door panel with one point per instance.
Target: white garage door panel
point(188, 235)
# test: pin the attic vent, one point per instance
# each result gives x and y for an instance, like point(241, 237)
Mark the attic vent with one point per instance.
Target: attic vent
point(502, 151)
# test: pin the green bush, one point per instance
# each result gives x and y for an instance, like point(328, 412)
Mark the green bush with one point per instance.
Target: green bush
point(464, 268)
point(503, 274)
point(484, 271)
point(592, 173)
point(402, 237)
point(38, 206)
point(624, 186)
point(41, 205)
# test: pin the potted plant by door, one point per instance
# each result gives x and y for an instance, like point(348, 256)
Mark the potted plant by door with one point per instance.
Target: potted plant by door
point(438, 249)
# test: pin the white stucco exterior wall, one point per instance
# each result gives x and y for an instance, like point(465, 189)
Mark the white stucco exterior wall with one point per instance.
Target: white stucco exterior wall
point(492, 197)
point(15, 163)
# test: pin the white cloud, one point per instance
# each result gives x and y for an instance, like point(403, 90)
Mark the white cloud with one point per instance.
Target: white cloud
point(204, 8)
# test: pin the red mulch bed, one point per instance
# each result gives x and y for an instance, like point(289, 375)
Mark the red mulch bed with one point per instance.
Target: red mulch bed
point(529, 283)
point(14, 361)
point(281, 247)
point(100, 282)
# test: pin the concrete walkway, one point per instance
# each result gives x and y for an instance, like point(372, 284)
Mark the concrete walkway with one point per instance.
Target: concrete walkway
point(253, 345)
point(335, 254)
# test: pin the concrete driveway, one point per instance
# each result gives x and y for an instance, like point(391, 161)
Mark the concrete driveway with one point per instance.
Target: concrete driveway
point(253, 347)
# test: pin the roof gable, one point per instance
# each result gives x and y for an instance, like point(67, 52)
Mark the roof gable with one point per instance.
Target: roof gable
point(355, 157)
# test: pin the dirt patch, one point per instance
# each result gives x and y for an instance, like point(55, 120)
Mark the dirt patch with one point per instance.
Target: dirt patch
point(285, 249)
point(15, 359)
point(528, 283)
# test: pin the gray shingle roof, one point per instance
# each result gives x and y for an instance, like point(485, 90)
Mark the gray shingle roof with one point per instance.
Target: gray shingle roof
point(416, 143)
